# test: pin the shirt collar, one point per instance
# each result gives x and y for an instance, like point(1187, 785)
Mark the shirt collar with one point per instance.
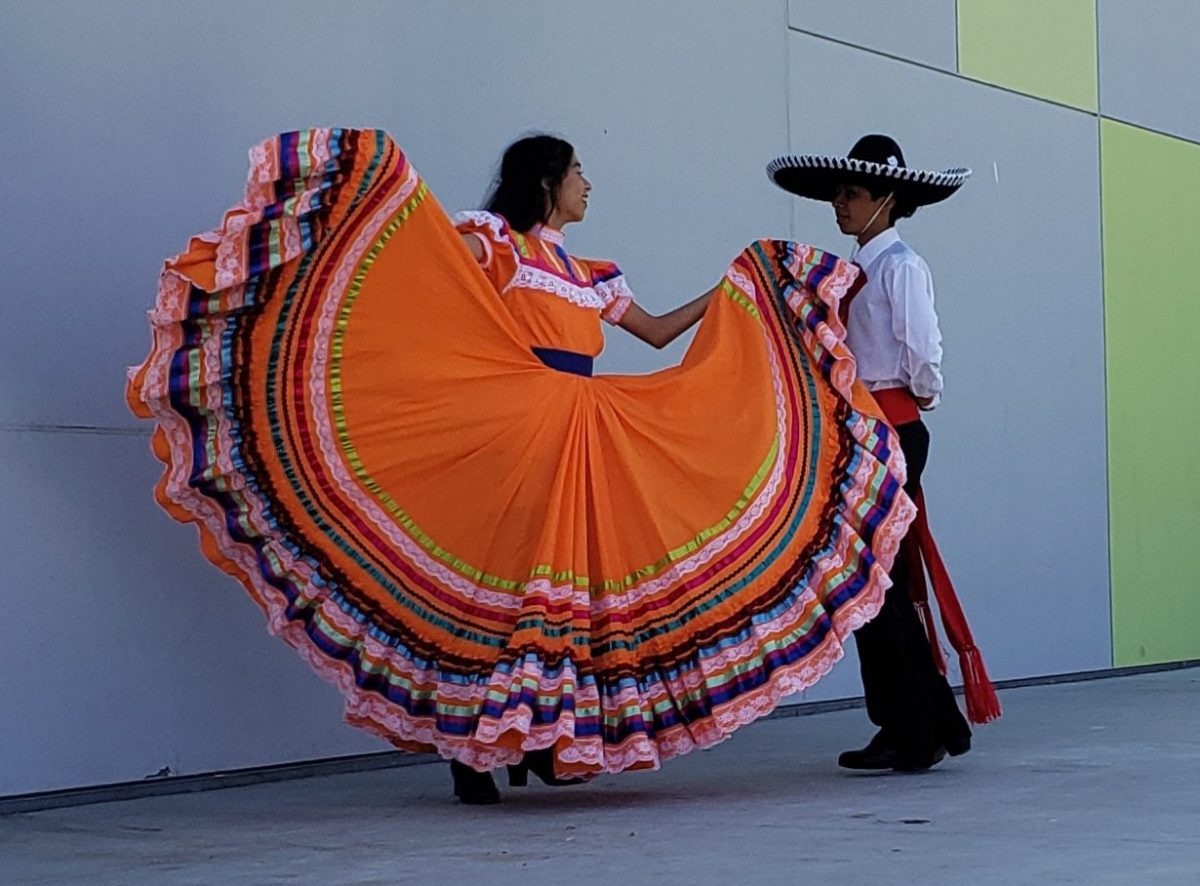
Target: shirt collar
point(875, 247)
point(550, 235)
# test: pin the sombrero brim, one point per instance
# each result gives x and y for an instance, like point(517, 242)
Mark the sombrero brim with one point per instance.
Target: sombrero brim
point(817, 178)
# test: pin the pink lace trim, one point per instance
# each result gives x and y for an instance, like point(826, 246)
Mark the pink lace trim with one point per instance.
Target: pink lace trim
point(830, 334)
point(617, 297)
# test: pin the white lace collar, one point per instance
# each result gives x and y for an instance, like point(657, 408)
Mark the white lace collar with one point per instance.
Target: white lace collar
point(550, 235)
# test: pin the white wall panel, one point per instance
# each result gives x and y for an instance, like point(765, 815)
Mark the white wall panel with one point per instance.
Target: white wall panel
point(135, 117)
point(124, 650)
point(1149, 68)
point(127, 129)
point(924, 31)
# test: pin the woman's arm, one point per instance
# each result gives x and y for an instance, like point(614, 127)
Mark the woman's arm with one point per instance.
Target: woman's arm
point(475, 244)
point(660, 331)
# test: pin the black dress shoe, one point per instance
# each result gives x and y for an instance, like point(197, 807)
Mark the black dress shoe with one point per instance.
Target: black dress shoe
point(472, 787)
point(917, 761)
point(868, 758)
point(956, 747)
point(878, 754)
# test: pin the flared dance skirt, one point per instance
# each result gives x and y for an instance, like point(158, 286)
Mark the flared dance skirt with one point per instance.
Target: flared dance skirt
point(487, 555)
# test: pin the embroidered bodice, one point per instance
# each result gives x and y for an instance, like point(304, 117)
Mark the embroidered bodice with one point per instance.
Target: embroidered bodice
point(556, 298)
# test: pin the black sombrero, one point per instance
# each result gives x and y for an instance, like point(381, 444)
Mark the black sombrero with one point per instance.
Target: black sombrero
point(874, 158)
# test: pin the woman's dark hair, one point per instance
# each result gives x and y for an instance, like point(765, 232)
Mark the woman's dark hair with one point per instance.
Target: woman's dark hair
point(529, 166)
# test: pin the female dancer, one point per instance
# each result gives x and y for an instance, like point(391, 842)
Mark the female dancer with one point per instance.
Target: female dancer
point(540, 189)
point(387, 429)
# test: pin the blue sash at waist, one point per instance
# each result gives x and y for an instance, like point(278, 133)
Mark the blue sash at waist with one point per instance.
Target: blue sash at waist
point(565, 361)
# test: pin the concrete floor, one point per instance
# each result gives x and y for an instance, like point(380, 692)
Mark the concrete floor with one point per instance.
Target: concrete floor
point(1088, 783)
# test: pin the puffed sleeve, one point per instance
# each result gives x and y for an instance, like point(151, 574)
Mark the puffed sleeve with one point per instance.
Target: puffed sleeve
point(499, 253)
point(609, 283)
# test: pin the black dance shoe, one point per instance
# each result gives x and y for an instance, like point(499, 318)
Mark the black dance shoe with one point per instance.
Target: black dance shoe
point(541, 764)
point(471, 787)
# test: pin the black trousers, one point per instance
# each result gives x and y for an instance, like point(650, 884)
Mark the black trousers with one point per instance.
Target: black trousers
point(907, 697)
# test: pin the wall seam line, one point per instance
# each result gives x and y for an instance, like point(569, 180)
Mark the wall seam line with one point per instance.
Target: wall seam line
point(787, 94)
point(1108, 486)
point(957, 38)
point(997, 86)
point(52, 428)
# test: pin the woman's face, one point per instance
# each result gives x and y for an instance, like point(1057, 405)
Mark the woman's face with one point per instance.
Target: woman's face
point(572, 196)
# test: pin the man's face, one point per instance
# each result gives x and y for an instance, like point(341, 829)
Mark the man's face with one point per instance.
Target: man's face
point(853, 207)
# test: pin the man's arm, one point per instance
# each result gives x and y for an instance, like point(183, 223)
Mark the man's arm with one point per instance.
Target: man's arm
point(915, 325)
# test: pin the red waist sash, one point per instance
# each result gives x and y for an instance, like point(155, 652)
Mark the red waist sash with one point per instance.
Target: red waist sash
point(919, 555)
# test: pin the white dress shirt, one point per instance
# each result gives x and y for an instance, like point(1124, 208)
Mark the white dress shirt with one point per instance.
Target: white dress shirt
point(893, 329)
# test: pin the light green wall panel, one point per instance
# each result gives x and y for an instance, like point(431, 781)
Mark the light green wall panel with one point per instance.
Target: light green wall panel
point(1151, 188)
point(1045, 48)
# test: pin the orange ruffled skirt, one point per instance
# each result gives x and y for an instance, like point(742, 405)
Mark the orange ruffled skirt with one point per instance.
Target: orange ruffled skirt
point(485, 555)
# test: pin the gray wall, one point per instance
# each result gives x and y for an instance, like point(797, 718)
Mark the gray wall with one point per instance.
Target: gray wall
point(923, 31)
point(127, 128)
point(127, 125)
point(1165, 95)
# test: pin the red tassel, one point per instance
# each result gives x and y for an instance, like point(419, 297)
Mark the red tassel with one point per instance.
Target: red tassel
point(982, 704)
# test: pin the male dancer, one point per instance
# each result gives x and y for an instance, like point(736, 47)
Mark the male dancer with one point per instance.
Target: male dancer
point(892, 330)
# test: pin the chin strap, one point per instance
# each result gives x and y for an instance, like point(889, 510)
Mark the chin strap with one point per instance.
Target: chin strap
point(870, 221)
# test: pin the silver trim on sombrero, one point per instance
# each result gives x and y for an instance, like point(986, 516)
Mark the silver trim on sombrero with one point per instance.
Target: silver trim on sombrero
point(949, 178)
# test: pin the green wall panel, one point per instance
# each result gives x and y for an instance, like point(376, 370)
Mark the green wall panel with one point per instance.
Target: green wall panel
point(1151, 188)
point(1045, 48)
